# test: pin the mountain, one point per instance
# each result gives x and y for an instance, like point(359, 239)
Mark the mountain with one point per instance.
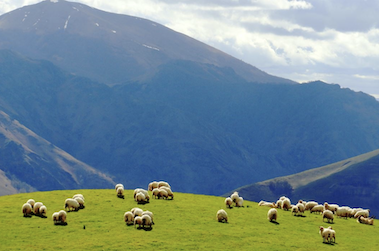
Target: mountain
point(352, 182)
point(191, 115)
point(29, 163)
point(107, 47)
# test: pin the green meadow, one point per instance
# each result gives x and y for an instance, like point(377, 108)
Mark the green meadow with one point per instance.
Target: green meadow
point(186, 223)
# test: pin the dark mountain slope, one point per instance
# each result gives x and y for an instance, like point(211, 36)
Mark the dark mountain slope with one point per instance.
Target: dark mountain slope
point(107, 47)
point(352, 182)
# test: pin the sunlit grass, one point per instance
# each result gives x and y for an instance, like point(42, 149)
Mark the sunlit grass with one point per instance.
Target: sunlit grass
point(186, 223)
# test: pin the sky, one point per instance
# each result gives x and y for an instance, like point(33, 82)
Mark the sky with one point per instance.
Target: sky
point(336, 41)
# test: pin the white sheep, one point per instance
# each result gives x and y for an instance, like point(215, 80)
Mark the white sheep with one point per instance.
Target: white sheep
point(169, 192)
point(229, 202)
point(328, 234)
point(353, 211)
point(283, 198)
point(71, 204)
point(234, 196)
point(62, 217)
point(31, 202)
point(152, 185)
point(279, 204)
point(150, 214)
point(138, 220)
point(162, 193)
point(332, 235)
point(286, 204)
point(119, 185)
point(343, 212)
point(317, 209)
point(331, 207)
point(55, 218)
point(263, 203)
point(301, 208)
point(80, 201)
point(328, 215)
point(78, 196)
point(364, 213)
point(120, 192)
point(36, 207)
point(140, 198)
point(146, 221)
point(137, 211)
point(272, 214)
point(294, 210)
point(310, 204)
point(27, 210)
point(239, 202)
point(163, 183)
point(43, 211)
point(129, 218)
point(222, 216)
point(156, 192)
point(363, 220)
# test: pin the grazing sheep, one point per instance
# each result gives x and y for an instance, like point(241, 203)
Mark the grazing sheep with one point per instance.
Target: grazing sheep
point(301, 208)
point(78, 196)
point(331, 207)
point(43, 211)
point(294, 210)
point(55, 218)
point(119, 185)
point(146, 221)
point(343, 212)
point(234, 197)
point(222, 216)
point(152, 185)
point(138, 220)
point(364, 213)
point(317, 209)
point(272, 214)
point(363, 220)
point(163, 184)
point(286, 204)
point(328, 215)
point(353, 211)
point(36, 207)
point(239, 202)
point(266, 204)
point(162, 193)
point(169, 192)
point(283, 198)
point(27, 210)
point(310, 204)
point(80, 201)
point(140, 198)
point(62, 217)
point(129, 218)
point(137, 211)
point(71, 204)
point(279, 204)
point(150, 214)
point(156, 193)
point(31, 202)
point(120, 192)
point(229, 202)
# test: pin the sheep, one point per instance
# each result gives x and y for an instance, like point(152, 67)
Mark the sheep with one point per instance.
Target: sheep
point(55, 218)
point(62, 216)
point(31, 202)
point(138, 220)
point(129, 218)
point(169, 192)
point(71, 204)
point(163, 183)
point(328, 234)
point(362, 219)
point(222, 216)
point(343, 212)
point(317, 208)
point(331, 207)
point(294, 210)
point(120, 192)
point(162, 193)
point(310, 204)
point(140, 198)
point(139, 190)
point(137, 211)
point(119, 185)
point(150, 214)
point(146, 221)
point(272, 214)
point(234, 197)
point(286, 204)
point(283, 198)
point(239, 202)
point(155, 193)
point(364, 213)
point(328, 215)
point(229, 202)
point(78, 196)
point(152, 185)
point(27, 210)
point(36, 207)
point(80, 201)
point(43, 211)
point(301, 207)
point(279, 204)
point(267, 204)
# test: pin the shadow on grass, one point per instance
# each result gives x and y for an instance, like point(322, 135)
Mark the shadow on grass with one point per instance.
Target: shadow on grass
point(60, 224)
point(28, 216)
point(145, 228)
point(330, 243)
point(300, 215)
point(275, 222)
point(142, 202)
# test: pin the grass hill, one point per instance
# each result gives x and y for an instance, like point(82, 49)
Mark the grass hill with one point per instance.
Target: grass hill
point(352, 182)
point(185, 223)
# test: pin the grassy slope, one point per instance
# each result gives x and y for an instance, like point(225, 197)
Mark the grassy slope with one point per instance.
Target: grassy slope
point(185, 223)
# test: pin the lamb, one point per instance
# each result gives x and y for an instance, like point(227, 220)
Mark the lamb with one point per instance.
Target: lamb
point(317, 208)
point(364, 213)
point(129, 218)
point(229, 202)
point(31, 202)
point(328, 215)
point(138, 220)
point(150, 214)
point(327, 234)
point(222, 216)
point(71, 204)
point(152, 185)
point(36, 207)
point(310, 204)
point(267, 204)
point(239, 202)
point(43, 211)
point(363, 220)
point(120, 192)
point(27, 210)
point(343, 212)
point(331, 207)
point(146, 221)
point(272, 214)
